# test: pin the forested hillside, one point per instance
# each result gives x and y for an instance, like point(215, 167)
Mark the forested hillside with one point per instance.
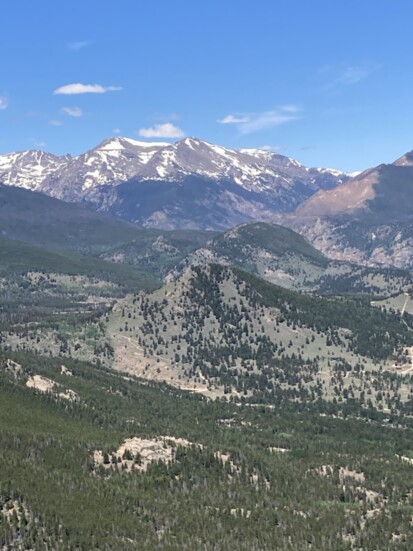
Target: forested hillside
point(218, 331)
point(208, 475)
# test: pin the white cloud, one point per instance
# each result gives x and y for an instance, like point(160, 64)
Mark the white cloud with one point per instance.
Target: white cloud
point(3, 103)
point(77, 88)
point(271, 148)
point(55, 122)
point(350, 75)
point(116, 131)
point(233, 119)
point(166, 130)
point(72, 111)
point(249, 123)
point(268, 119)
point(290, 108)
point(79, 45)
point(347, 76)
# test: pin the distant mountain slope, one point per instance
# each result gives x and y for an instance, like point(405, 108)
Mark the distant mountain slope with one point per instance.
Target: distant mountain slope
point(19, 258)
point(44, 221)
point(282, 256)
point(156, 251)
point(244, 240)
point(362, 242)
point(273, 252)
point(383, 194)
point(368, 219)
point(188, 184)
point(36, 218)
point(192, 203)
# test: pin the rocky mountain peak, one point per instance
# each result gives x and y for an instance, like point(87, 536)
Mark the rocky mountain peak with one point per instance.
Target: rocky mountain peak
point(405, 160)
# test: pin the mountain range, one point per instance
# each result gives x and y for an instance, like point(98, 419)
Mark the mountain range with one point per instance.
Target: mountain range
point(192, 184)
point(172, 378)
point(187, 184)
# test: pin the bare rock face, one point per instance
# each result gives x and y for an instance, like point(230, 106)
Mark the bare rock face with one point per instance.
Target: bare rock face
point(366, 243)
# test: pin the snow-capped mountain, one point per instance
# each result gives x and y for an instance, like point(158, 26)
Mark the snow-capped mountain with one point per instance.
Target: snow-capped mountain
point(253, 169)
point(132, 179)
point(29, 169)
point(112, 162)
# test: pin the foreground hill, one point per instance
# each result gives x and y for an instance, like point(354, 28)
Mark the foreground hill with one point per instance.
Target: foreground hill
point(149, 467)
point(218, 330)
point(315, 453)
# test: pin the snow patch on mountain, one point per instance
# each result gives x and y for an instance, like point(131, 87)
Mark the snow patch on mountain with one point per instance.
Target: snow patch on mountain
point(29, 169)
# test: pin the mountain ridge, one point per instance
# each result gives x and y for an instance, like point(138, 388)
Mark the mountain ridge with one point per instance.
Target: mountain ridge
point(367, 220)
point(120, 174)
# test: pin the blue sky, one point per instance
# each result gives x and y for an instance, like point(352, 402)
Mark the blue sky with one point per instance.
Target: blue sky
point(329, 83)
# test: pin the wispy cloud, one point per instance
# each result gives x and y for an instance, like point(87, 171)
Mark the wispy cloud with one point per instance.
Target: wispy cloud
point(117, 131)
point(347, 76)
point(37, 143)
point(233, 119)
point(72, 111)
point(56, 122)
point(78, 88)
point(166, 130)
point(3, 103)
point(78, 45)
point(249, 123)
